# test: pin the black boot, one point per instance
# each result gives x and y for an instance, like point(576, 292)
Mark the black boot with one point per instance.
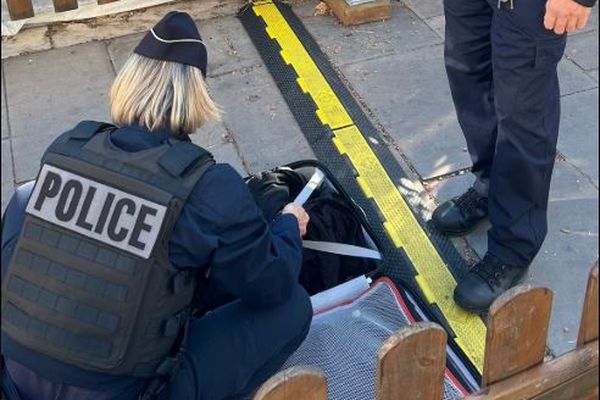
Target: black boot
point(487, 280)
point(460, 215)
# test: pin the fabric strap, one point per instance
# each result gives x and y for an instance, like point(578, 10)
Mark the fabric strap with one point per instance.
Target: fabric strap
point(342, 249)
point(314, 182)
point(330, 247)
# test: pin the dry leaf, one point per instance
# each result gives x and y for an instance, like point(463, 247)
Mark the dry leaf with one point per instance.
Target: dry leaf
point(322, 9)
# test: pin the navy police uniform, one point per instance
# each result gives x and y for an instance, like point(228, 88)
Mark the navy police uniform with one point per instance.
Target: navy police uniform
point(502, 68)
point(231, 349)
point(103, 257)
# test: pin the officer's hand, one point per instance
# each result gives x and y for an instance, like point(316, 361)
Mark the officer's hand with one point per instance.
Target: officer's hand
point(565, 16)
point(300, 214)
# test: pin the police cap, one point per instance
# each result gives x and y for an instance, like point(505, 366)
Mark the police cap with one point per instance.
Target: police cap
point(175, 38)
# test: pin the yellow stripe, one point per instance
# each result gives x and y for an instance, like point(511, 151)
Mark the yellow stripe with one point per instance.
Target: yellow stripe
point(434, 278)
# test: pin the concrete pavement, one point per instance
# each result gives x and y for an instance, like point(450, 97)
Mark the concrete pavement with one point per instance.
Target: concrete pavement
point(394, 68)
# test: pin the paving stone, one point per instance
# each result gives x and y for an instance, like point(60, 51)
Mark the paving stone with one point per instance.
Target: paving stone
point(578, 139)
point(215, 138)
point(226, 153)
point(438, 24)
point(582, 48)
point(410, 96)
point(594, 74)
point(426, 8)
point(211, 134)
point(121, 48)
point(573, 79)
point(5, 129)
point(229, 47)
point(403, 32)
point(27, 154)
point(259, 120)
point(7, 173)
point(447, 188)
point(49, 92)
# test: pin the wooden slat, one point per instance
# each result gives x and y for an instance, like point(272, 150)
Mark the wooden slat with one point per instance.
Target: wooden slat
point(588, 327)
point(64, 5)
point(517, 332)
point(412, 362)
point(306, 383)
point(106, 1)
point(581, 387)
point(19, 9)
point(572, 371)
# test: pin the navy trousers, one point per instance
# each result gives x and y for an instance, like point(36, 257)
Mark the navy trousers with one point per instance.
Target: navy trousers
point(232, 350)
point(501, 65)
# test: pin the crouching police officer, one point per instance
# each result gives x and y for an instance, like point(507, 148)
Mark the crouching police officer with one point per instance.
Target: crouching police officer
point(501, 58)
point(102, 257)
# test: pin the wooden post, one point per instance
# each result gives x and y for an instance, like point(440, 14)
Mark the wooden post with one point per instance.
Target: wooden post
point(64, 5)
point(306, 383)
point(19, 9)
point(588, 327)
point(517, 332)
point(412, 364)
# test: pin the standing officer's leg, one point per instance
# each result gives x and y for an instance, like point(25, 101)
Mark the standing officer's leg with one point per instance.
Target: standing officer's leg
point(232, 350)
point(468, 59)
point(528, 107)
point(525, 57)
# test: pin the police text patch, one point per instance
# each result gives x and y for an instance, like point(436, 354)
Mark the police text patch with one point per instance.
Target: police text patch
point(96, 210)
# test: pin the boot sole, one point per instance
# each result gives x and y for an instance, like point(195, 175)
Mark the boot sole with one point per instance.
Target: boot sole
point(479, 310)
point(458, 232)
point(475, 310)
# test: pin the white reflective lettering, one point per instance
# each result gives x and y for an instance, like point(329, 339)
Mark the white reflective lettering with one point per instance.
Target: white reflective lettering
point(109, 215)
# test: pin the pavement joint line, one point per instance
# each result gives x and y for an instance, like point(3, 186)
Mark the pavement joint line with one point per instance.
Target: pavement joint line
point(561, 157)
point(110, 59)
point(12, 161)
point(426, 21)
point(582, 33)
point(579, 91)
point(447, 175)
point(245, 69)
point(9, 138)
point(6, 104)
point(236, 147)
point(566, 57)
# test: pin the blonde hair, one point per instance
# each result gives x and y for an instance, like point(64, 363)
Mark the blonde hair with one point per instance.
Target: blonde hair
point(157, 94)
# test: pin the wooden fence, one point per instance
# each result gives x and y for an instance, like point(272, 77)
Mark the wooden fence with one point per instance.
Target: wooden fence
point(411, 363)
point(21, 9)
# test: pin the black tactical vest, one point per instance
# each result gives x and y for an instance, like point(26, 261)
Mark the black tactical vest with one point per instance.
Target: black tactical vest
point(90, 282)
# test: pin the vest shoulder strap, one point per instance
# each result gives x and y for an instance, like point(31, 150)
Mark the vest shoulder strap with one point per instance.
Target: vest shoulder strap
point(87, 129)
point(182, 156)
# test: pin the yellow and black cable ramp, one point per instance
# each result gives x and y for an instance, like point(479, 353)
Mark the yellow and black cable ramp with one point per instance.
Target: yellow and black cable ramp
point(346, 142)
